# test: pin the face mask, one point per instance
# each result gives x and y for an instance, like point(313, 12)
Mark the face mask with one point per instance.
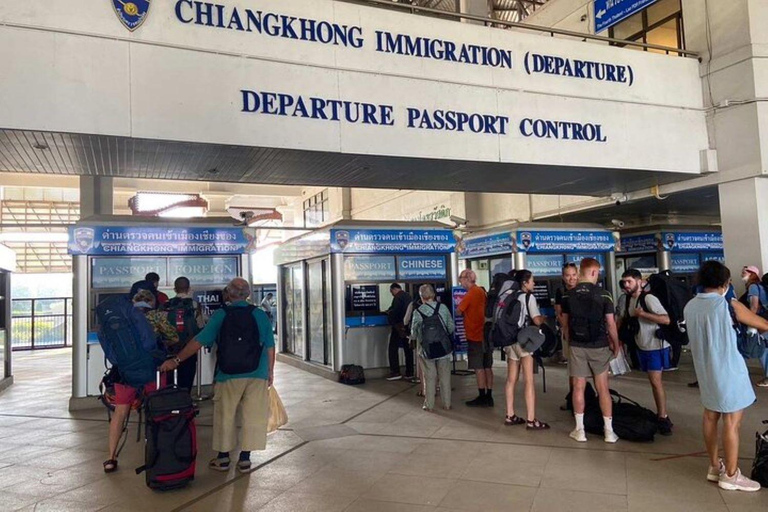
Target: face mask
point(725, 292)
point(745, 278)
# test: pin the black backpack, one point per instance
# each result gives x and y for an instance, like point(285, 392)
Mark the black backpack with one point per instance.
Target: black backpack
point(239, 347)
point(551, 342)
point(352, 374)
point(585, 316)
point(673, 295)
point(631, 421)
point(181, 315)
point(435, 340)
point(760, 464)
point(506, 323)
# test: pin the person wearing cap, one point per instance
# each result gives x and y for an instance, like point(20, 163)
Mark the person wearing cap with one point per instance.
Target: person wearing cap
point(520, 354)
point(756, 299)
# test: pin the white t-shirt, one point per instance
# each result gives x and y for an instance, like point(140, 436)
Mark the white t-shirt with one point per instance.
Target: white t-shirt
point(530, 307)
point(646, 339)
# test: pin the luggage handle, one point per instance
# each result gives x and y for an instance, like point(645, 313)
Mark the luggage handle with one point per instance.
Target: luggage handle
point(175, 378)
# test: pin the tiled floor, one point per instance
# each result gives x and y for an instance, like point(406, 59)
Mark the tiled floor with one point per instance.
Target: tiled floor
point(369, 448)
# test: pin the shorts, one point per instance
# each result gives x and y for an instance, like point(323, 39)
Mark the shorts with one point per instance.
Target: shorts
point(126, 395)
point(515, 352)
point(654, 360)
point(478, 356)
point(588, 362)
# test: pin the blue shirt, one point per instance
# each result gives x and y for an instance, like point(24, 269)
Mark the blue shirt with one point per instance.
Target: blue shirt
point(210, 333)
point(756, 290)
point(723, 377)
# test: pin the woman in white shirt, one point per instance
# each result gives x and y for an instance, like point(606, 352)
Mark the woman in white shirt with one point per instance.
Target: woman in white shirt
point(518, 356)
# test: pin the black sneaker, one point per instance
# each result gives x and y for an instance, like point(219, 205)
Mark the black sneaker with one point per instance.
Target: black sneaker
point(665, 426)
point(477, 402)
point(394, 376)
point(488, 401)
point(693, 384)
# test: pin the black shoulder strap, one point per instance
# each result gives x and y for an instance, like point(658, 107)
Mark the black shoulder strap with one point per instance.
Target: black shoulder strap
point(641, 302)
point(528, 296)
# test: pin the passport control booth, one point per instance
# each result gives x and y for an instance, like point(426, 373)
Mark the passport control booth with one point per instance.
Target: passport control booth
point(543, 249)
point(111, 253)
point(334, 289)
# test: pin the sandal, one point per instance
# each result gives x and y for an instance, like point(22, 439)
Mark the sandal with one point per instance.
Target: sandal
point(513, 420)
point(110, 466)
point(536, 425)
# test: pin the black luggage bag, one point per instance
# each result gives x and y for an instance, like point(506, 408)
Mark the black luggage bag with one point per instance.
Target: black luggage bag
point(171, 438)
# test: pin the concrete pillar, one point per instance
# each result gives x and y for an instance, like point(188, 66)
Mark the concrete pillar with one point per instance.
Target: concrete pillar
point(476, 8)
point(744, 215)
point(96, 196)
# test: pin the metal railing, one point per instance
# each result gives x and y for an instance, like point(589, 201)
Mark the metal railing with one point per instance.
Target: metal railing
point(495, 22)
point(41, 323)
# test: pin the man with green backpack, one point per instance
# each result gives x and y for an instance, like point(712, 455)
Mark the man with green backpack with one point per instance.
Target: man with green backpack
point(186, 316)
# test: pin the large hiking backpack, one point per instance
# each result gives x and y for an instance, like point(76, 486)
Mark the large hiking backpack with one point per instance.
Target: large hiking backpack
point(239, 347)
point(506, 323)
point(631, 421)
point(501, 284)
point(171, 438)
point(673, 295)
point(128, 340)
point(585, 315)
point(181, 315)
point(435, 340)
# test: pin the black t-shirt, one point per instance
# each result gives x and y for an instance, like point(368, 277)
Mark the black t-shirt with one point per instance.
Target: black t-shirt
point(559, 297)
point(577, 303)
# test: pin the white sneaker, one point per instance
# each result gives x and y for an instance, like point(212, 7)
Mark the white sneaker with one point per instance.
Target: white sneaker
point(737, 482)
point(579, 435)
point(610, 436)
point(715, 473)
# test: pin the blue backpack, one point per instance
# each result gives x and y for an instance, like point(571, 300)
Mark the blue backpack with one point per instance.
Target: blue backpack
point(128, 340)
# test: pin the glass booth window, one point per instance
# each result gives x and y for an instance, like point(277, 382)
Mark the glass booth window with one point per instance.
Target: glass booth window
point(660, 24)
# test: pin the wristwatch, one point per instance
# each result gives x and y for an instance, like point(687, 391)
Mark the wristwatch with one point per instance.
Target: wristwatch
point(177, 361)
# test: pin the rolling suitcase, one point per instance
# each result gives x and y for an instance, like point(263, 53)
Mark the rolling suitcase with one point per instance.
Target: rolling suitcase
point(170, 437)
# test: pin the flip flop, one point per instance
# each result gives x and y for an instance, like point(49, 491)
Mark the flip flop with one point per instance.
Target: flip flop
point(110, 466)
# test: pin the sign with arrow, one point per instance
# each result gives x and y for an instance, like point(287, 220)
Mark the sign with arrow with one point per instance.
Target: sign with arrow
point(610, 12)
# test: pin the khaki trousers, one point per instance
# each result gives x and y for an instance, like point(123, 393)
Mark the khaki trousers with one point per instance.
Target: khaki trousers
point(252, 397)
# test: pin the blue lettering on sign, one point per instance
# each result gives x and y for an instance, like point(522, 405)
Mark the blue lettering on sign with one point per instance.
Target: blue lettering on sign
point(576, 258)
point(564, 241)
point(441, 49)
point(563, 130)
point(139, 240)
point(459, 334)
point(391, 241)
point(421, 267)
point(535, 63)
point(376, 268)
point(268, 23)
point(692, 242)
point(610, 12)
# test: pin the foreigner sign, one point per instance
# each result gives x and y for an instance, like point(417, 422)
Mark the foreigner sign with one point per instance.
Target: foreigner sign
point(610, 12)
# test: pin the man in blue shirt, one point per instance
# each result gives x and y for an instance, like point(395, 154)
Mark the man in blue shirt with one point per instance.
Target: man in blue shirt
point(246, 360)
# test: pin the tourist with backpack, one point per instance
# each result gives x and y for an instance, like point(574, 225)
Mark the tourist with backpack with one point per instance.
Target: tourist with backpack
point(245, 347)
point(130, 344)
point(520, 351)
point(757, 302)
point(646, 313)
point(432, 325)
point(590, 328)
point(479, 348)
point(398, 335)
point(722, 374)
point(186, 316)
